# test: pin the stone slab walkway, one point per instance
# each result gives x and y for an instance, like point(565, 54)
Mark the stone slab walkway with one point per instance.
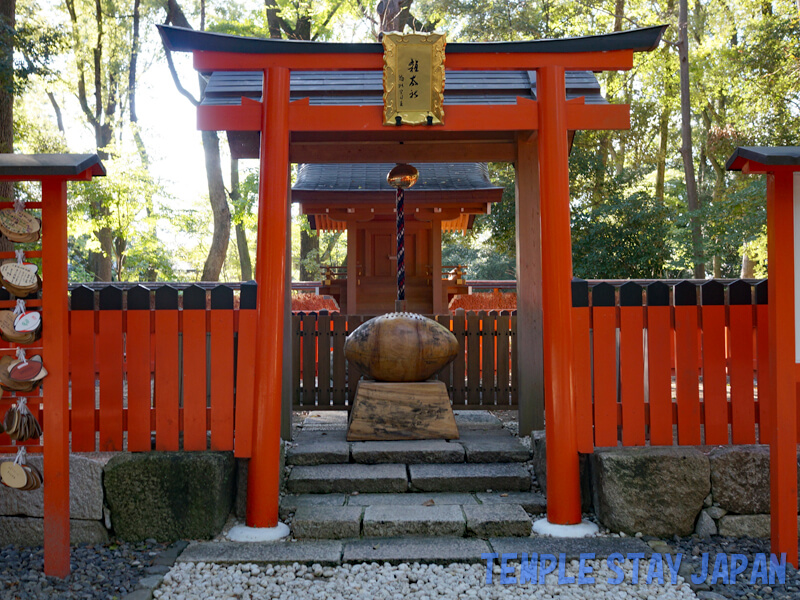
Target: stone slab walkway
point(439, 550)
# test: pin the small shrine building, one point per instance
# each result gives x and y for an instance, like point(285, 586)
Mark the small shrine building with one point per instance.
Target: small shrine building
point(357, 199)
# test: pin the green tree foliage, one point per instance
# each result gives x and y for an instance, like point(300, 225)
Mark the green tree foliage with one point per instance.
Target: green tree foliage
point(745, 90)
point(131, 215)
point(625, 236)
point(627, 187)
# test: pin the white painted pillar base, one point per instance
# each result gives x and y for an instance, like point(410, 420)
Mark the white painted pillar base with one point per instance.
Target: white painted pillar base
point(580, 530)
point(243, 533)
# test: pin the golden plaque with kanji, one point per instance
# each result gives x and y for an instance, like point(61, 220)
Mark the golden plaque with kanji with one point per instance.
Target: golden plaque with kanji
point(413, 79)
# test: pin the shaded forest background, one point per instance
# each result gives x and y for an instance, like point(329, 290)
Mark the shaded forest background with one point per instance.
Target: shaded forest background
point(654, 201)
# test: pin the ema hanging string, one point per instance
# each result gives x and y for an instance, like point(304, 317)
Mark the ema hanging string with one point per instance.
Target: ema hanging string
point(402, 176)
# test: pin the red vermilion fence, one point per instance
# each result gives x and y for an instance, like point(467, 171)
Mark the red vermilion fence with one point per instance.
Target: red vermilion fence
point(171, 369)
point(664, 364)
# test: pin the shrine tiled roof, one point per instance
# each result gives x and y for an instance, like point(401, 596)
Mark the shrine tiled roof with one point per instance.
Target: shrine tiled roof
point(365, 88)
point(41, 165)
point(181, 39)
point(442, 177)
point(765, 155)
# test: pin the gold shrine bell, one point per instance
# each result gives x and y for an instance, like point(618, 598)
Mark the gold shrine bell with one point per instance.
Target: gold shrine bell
point(402, 176)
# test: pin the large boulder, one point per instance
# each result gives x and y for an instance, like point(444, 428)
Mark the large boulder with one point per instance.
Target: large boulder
point(85, 489)
point(655, 491)
point(740, 478)
point(539, 448)
point(169, 495)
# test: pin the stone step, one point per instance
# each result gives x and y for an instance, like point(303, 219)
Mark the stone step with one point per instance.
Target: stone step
point(407, 452)
point(401, 521)
point(392, 478)
point(534, 503)
point(440, 550)
point(467, 477)
point(422, 519)
point(326, 479)
point(317, 447)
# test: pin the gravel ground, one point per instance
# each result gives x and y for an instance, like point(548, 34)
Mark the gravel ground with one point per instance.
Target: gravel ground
point(694, 547)
point(402, 582)
point(106, 571)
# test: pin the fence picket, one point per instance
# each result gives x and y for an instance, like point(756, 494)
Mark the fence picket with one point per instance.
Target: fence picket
point(221, 368)
point(339, 367)
point(110, 358)
point(741, 364)
point(297, 368)
point(631, 364)
point(459, 364)
point(245, 362)
point(488, 370)
point(582, 364)
point(503, 360)
point(309, 360)
point(514, 360)
point(167, 373)
point(194, 368)
point(139, 375)
point(688, 394)
point(324, 358)
point(604, 351)
point(762, 347)
point(81, 353)
point(659, 368)
point(715, 392)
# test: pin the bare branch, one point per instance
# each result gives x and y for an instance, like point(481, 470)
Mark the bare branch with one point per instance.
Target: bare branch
point(176, 80)
point(57, 109)
point(327, 20)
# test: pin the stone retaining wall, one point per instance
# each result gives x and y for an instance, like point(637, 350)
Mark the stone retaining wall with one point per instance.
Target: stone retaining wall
point(21, 513)
point(665, 491)
point(660, 491)
point(132, 496)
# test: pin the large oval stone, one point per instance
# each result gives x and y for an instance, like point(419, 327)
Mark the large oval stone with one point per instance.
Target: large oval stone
point(400, 347)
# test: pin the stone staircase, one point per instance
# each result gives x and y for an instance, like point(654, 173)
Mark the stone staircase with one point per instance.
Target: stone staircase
point(477, 486)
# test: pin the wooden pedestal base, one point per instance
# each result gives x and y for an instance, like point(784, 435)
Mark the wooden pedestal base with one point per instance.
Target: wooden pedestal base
point(401, 411)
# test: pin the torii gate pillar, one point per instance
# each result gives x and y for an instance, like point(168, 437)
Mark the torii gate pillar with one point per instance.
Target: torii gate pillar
point(564, 498)
point(778, 412)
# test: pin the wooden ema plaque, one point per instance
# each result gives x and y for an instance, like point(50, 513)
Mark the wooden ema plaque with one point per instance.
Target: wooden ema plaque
point(385, 410)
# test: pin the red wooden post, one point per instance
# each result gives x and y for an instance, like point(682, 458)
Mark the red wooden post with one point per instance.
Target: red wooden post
point(782, 391)
point(564, 498)
point(54, 354)
point(264, 470)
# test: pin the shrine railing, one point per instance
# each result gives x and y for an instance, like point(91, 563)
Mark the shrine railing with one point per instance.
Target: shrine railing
point(681, 363)
point(170, 367)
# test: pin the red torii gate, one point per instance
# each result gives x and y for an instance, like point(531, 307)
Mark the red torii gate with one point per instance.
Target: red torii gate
point(782, 168)
point(532, 133)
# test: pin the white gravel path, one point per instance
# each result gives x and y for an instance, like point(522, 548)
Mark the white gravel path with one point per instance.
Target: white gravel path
point(201, 581)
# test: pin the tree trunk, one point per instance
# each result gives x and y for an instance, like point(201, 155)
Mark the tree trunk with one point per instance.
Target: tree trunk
point(604, 147)
point(692, 198)
point(663, 138)
point(219, 208)
point(245, 265)
point(748, 264)
point(216, 188)
point(137, 134)
point(309, 242)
